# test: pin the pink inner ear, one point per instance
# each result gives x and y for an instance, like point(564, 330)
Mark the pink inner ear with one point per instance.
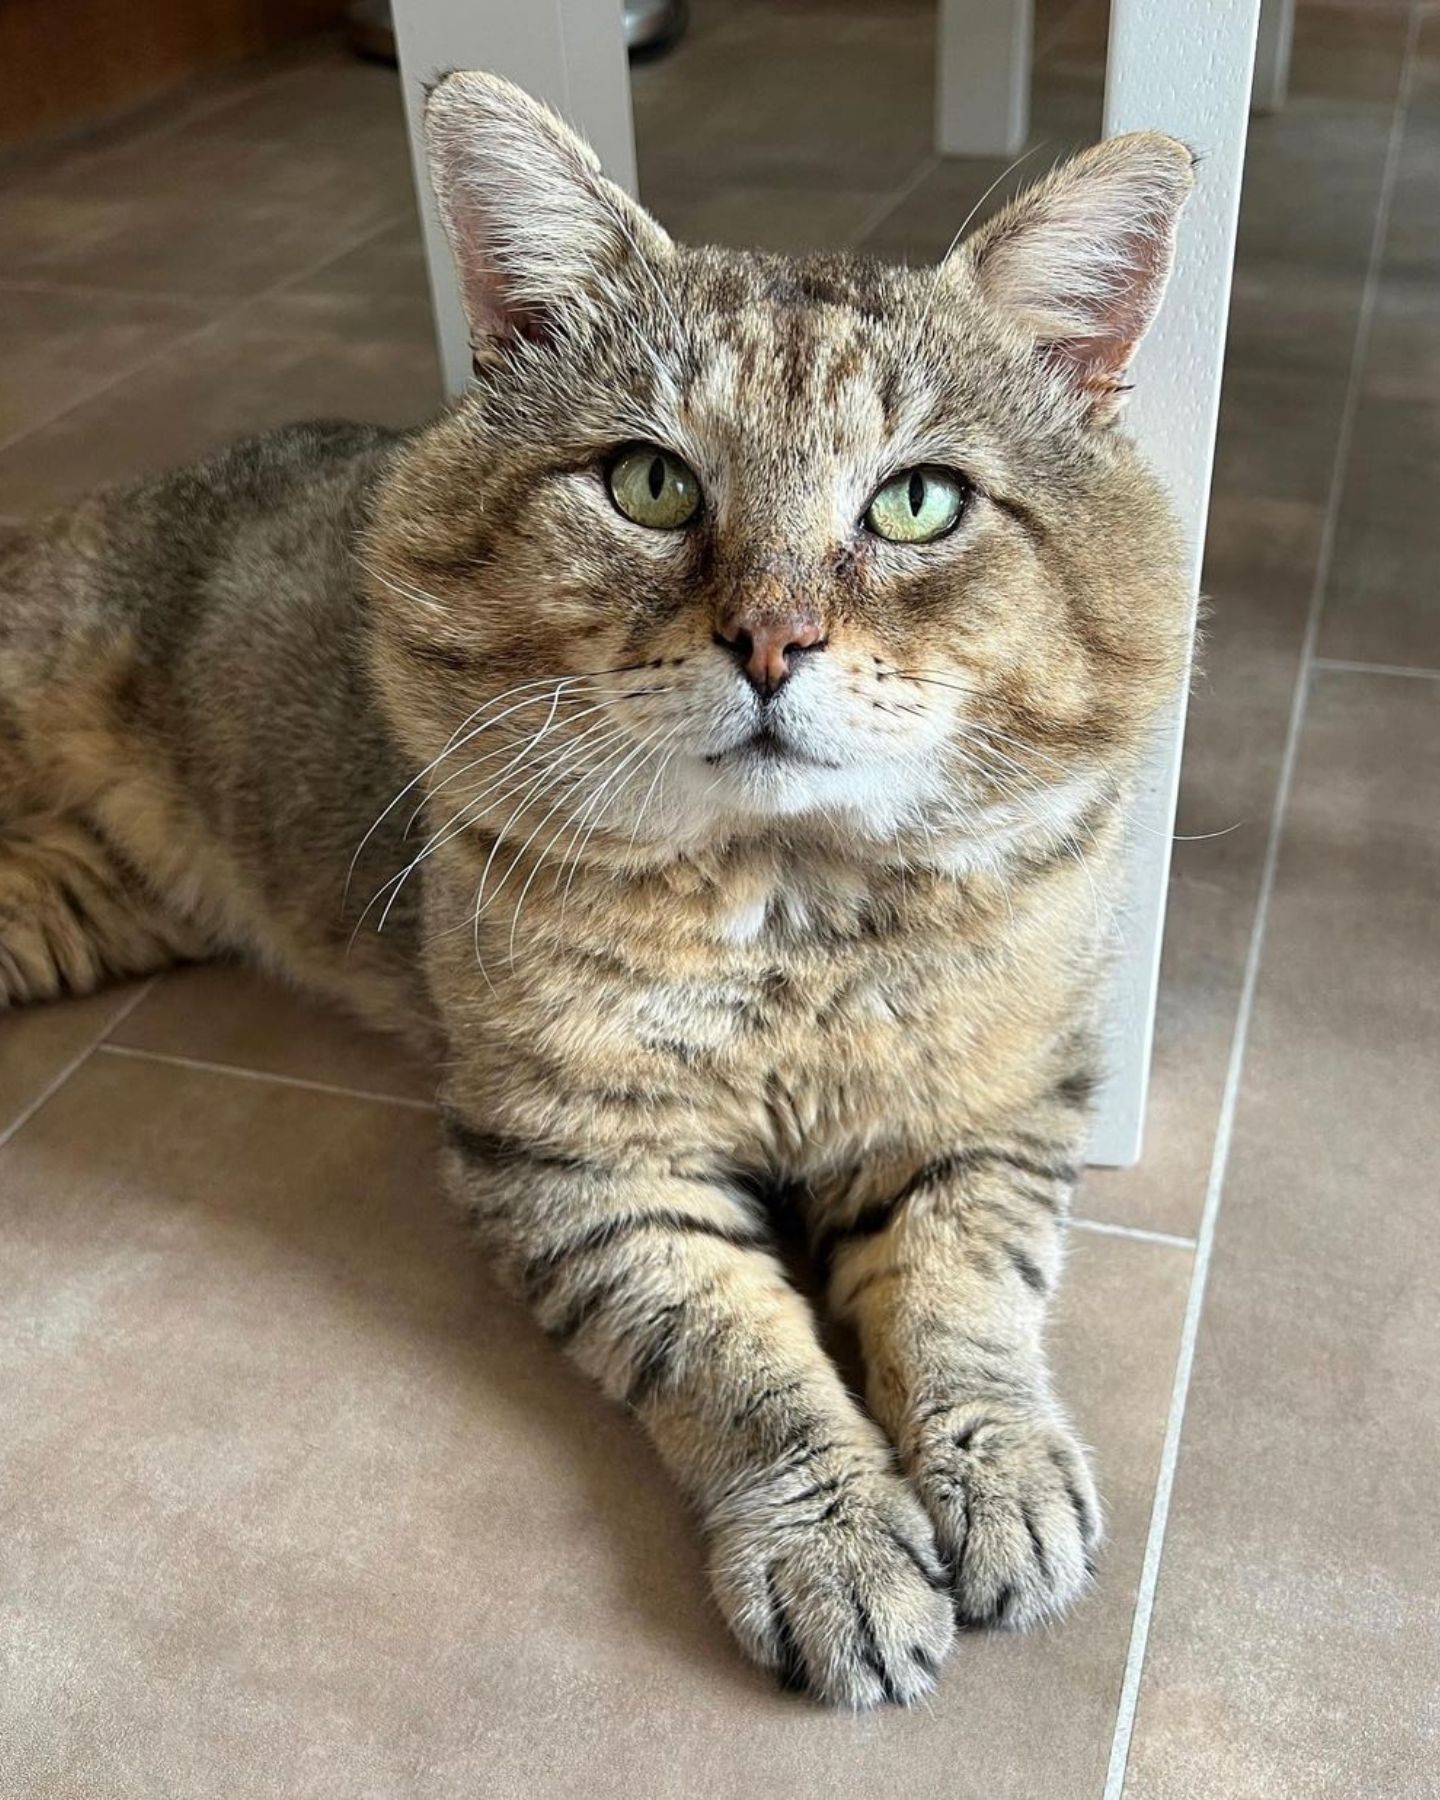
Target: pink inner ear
point(1080, 264)
point(1094, 365)
point(1096, 360)
point(532, 324)
point(495, 315)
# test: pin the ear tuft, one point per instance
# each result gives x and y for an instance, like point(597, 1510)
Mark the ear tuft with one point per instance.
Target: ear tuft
point(1080, 261)
point(533, 224)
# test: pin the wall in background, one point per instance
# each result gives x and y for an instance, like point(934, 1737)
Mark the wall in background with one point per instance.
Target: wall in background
point(65, 64)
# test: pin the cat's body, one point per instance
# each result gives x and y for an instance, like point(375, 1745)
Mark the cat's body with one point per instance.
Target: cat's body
point(828, 927)
point(182, 669)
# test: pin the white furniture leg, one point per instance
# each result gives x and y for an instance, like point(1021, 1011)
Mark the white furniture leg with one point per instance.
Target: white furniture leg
point(982, 77)
point(570, 53)
point(1182, 66)
point(1272, 55)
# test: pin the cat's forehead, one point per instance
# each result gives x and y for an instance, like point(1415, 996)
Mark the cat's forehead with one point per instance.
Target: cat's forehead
point(803, 375)
point(813, 353)
point(725, 282)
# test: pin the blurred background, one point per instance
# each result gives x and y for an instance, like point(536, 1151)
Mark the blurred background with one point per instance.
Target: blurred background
point(208, 226)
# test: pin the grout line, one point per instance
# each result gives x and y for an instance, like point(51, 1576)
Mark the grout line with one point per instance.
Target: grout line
point(334, 1089)
point(84, 290)
point(1332, 665)
point(96, 1043)
point(233, 309)
point(1141, 1233)
point(1185, 1360)
point(891, 204)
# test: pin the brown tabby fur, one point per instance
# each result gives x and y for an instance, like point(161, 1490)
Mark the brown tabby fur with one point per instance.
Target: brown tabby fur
point(677, 984)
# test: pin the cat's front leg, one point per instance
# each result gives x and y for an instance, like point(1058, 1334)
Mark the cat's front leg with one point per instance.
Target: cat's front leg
point(945, 1264)
point(664, 1287)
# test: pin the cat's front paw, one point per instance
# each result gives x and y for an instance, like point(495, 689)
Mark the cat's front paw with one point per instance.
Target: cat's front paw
point(1014, 1508)
point(828, 1575)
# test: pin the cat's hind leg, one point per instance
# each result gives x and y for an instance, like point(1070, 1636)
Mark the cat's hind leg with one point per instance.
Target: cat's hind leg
point(73, 913)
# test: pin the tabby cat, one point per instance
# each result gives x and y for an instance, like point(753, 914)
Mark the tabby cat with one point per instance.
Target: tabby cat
point(712, 734)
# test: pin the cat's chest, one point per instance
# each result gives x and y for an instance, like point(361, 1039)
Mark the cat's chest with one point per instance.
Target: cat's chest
point(804, 1041)
point(808, 987)
point(781, 1027)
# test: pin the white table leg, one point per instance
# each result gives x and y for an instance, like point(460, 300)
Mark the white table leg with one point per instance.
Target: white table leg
point(1182, 66)
point(1272, 55)
point(568, 52)
point(982, 77)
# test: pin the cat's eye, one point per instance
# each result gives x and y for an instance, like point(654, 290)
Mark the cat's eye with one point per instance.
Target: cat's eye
point(654, 488)
point(917, 506)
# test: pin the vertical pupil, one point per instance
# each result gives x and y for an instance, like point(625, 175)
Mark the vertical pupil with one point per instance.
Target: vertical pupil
point(917, 494)
point(657, 478)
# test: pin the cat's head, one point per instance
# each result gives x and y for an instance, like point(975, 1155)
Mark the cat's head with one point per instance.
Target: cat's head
point(719, 539)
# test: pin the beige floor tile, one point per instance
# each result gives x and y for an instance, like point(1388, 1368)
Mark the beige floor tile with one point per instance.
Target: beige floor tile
point(57, 346)
point(386, 270)
point(1347, 52)
point(1290, 327)
point(1413, 245)
point(1382, 606)
point(1383, 603)
point(38, 1043)
point(313, 353)
point(295, 1503)
point(226, 203)
point(195, 96)
point(227, 1015)
point(1259, 570)
point(1278, 433)
point(1403, 362)
point(1297, 1629)
point(779, 96)
point(324, 99)
point(1312, 172)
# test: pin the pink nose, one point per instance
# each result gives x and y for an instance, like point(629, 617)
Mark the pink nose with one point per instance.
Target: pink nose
point(766, 648)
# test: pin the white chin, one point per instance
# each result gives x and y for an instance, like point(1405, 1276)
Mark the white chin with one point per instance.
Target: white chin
point(772, 787)
point(746, 786)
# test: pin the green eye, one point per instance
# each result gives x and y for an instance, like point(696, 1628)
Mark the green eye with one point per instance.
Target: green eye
point(917, 506)
point(654, 488)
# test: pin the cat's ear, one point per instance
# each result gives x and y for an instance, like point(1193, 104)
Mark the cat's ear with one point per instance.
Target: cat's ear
point(1080, 261)
point(533, 224)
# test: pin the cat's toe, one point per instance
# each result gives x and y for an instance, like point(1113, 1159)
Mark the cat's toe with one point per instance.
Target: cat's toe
point(1015, 1512)
point(836, 1588)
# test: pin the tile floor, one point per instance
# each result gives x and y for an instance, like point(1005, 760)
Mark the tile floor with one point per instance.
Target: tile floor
point(292, 1504)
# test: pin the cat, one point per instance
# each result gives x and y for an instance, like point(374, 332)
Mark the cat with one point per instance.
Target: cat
point(768, 647)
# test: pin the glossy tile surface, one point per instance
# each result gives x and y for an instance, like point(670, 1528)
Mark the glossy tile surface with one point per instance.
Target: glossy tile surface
point(230, 1016)
point(376, 1537)
point(1297, 1627)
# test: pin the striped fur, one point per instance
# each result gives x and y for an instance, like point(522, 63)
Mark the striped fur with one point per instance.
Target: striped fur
point(687, 997)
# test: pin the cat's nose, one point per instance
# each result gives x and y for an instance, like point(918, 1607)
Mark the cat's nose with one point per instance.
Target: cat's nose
point(767, 648)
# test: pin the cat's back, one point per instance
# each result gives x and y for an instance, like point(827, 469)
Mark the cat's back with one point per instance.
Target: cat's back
point(156, 554)
point(187, 611)
point(182, 667)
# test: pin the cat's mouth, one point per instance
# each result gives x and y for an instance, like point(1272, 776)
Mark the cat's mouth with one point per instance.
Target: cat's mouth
point(766, 745)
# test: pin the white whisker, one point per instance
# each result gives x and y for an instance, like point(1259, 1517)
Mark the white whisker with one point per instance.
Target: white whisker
point(464, 819)
point(460, 737)
point(574, 858)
